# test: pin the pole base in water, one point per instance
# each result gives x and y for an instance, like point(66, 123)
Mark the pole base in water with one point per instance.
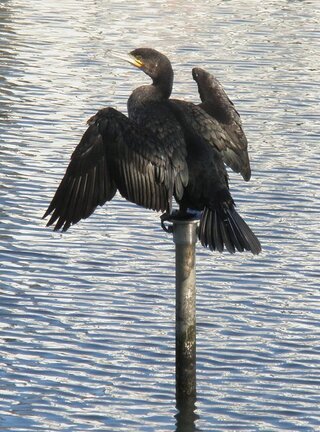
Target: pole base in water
point(185, 238)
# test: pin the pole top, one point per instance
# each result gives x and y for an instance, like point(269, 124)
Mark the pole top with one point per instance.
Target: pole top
point(185, 231)
point(183, 226)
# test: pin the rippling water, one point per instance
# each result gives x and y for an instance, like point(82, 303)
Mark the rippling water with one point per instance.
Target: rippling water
point(87, 318)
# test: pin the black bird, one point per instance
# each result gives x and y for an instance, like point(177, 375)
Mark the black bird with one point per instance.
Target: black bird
point(166, 148)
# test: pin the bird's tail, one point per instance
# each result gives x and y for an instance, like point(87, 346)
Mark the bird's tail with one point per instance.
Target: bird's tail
point(223, 227)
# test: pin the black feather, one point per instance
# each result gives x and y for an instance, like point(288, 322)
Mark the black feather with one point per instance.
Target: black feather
point(221, 228)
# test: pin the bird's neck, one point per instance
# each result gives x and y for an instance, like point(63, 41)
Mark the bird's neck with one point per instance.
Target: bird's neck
point(143, 96)
point(163, 84)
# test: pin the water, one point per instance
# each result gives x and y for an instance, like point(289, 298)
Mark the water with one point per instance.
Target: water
point(87, 318)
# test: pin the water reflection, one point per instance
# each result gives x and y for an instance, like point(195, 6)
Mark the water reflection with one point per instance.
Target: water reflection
point(87, 318)
point(186, 416)
point(7, 61)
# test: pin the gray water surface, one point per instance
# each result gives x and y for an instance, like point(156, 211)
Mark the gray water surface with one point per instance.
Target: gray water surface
point(87, 317)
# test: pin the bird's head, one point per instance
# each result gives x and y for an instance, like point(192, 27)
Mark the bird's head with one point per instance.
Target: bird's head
point(152, 62)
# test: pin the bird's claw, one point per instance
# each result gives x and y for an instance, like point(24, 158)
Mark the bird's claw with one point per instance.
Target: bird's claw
point(165, 217)
point(177, 215)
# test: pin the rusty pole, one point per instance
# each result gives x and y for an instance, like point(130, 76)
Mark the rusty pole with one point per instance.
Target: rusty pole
point(185, 238)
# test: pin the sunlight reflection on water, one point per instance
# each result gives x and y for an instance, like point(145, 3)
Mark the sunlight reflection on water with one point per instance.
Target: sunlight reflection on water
point(87, 318)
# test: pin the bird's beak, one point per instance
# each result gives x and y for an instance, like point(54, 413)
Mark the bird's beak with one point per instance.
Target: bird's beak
point(128, 58)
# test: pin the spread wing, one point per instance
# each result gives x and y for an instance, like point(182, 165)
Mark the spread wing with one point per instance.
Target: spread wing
point(198, 123)
point(113, 154)
point(216, 103)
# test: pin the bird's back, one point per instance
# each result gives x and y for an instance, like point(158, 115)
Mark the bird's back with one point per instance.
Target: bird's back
point(157, 118)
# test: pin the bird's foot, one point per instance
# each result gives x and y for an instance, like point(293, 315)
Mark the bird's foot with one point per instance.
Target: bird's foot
point(166, 217)
point(177, 215)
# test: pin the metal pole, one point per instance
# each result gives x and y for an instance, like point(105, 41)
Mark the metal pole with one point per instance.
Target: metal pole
point(185, 238)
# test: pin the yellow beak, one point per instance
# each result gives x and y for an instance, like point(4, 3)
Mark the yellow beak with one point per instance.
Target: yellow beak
point(128, 58)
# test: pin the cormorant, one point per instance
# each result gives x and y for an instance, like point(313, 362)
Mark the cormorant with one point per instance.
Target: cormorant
point(165, 148)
